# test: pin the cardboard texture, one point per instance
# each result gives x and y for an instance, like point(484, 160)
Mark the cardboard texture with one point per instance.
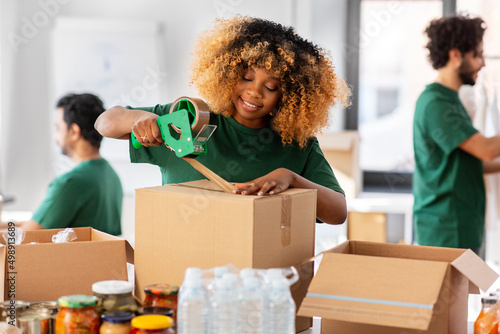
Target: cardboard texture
point(195, 224)
point(371, 287)
point(47, 271)
point(367, 226)
point(341, 150)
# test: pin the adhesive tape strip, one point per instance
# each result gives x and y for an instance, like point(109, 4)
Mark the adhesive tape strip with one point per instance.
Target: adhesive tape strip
point(201, 117)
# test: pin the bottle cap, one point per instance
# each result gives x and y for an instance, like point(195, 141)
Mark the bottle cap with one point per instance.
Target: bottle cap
point(112, 287)
point(152, 321)
point(77, 301)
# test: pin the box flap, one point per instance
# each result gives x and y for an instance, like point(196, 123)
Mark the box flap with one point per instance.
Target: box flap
point(476, 270)
point(353, 288)
point(342, 141)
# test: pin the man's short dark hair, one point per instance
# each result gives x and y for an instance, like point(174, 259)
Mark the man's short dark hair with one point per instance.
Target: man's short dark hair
point(83, 110)
point(454, 32)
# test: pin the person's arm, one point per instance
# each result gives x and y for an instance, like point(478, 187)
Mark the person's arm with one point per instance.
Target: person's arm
point(29, 225)
point(484, 148)
point(118, 122)
point(331, 205)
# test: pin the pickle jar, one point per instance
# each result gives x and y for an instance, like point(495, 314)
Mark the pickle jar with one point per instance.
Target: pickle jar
point(114, 296)
point(116, 322)
point(77, 315)
point(161, 295)
point(152, 324)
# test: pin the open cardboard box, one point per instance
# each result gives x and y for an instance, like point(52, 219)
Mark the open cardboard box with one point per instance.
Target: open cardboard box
point(368, 287)
point(195, 224)
point(47, 271)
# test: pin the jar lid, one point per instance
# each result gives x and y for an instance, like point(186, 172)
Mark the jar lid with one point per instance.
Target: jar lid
point(112, 287)
point(77, 301)
point(162, 310)
point(117, 317)
point(18, 304)
point(161, 289)
point(152, 321)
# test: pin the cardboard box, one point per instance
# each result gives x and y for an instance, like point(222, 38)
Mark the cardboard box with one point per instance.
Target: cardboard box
point(369, 287)
point(341, 150)
point(367, 226)
point(47, 271)
point(195, 224)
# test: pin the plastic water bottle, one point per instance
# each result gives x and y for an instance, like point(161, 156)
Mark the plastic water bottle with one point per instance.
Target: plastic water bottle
point(191, 272)
point(224, 308)
point(251, 307)
point(192, 309)
point(281, 308)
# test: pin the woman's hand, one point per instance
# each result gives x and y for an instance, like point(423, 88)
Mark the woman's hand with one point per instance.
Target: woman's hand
point(146, 130)
point(275, 182)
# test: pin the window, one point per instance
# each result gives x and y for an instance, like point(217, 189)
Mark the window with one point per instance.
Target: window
point(390, 72)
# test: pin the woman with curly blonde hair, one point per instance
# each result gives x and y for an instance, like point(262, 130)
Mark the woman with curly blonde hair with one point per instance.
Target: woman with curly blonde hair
point(270, 92)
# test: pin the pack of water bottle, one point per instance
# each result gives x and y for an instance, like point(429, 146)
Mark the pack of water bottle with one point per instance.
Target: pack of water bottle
point(223, 300)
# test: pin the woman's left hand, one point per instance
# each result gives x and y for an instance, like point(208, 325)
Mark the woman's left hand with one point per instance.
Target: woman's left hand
point(275, 182)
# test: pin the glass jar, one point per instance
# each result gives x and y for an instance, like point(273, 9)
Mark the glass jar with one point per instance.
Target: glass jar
point(152, 324)
point(162, 295)
point(77, 315)
point(10, 310)
point(35, 321)
point(487, 320)
point(52, 307)
point(115, 296)
point(116, 322)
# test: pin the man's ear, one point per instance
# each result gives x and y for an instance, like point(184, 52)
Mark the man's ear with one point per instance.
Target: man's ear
point(74, 131)
point(455, 57)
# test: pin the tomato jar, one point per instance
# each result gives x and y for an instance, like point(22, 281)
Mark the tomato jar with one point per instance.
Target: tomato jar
point(152, 324)
point(77, 315)
point(115, 296)
point(162, 295)
point(116, 322)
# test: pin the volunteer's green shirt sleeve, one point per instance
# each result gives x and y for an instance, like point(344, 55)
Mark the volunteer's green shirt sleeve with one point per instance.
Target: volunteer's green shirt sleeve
point(446, 125)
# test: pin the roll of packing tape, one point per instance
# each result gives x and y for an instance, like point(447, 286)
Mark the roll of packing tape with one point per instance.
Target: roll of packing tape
point(198, 117)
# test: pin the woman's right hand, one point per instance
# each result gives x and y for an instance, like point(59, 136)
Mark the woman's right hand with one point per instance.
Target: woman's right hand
point(146, 130)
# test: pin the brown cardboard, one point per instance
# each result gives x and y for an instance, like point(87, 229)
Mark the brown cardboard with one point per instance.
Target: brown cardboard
point(367, 226)
point(47, 271)
point(341, 150)
point(195, 224)
point(370, 287)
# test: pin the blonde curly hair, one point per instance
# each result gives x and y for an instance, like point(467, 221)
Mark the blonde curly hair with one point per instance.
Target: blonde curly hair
point(308, 83)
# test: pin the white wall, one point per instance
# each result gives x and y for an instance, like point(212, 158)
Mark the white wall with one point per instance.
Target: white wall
point(29, 158)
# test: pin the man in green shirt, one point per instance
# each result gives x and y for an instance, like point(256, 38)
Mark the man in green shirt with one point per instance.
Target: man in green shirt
point(91, 193)
point(450, 154)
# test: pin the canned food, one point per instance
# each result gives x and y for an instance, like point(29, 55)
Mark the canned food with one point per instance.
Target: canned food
point(152, 324)
point(162, 295)
point(11, 309)
point(77, 315)
point(115, 295)
point(116, 323)
point(35, 322)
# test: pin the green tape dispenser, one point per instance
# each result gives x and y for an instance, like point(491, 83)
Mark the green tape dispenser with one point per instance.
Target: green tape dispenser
point(187, 117)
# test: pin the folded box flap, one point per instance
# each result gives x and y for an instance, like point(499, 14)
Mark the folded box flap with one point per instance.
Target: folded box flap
point(375, 290)
point(476, 270)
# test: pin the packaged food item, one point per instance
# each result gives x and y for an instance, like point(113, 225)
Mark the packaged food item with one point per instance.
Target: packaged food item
point(116, 322)
point(161, 295)
point(10, 310)
point(115, 295)
point(487, 321)
point(77, 315)
point(161, 310)
point(32, 321)
point(51, 307)
point(152, 324)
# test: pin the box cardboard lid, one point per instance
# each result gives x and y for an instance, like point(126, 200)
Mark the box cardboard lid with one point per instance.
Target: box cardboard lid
point(479, 274)
point(375, 290)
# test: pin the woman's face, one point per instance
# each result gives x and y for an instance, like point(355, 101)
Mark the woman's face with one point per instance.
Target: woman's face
point(255, 95)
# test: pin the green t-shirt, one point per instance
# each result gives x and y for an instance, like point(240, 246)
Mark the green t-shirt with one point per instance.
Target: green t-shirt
point(88, 195)
point(448, 183)
point(239, 154)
